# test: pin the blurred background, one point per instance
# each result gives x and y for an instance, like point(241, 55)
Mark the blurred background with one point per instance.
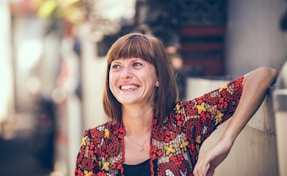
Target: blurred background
point(52, 63)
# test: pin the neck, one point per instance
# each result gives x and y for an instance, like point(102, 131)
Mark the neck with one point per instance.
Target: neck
point(138, 121)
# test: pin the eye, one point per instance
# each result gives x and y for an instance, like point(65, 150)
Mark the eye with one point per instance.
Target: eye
point(137, 64)
point(115, 66)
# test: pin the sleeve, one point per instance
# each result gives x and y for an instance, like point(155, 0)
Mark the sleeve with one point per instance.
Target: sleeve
point(203, 114)
point(86, 162)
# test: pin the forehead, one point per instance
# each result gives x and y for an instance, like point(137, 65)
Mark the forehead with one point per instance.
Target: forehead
point(128, 59)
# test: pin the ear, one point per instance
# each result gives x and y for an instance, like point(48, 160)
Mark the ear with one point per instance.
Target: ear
point(157, 83)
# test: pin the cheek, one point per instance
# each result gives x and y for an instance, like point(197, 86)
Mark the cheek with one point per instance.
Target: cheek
point(112, 81)
point(152, 83)
point(153, 78)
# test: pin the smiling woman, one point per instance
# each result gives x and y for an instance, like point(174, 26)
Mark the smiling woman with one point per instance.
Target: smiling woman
point(150, 131)
point(147, 50)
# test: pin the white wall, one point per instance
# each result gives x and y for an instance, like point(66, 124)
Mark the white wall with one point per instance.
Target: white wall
point(254, 37)
point(6, 72)
point(93, 76)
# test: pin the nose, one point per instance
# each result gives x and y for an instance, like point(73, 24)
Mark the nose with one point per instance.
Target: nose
point(126, 73)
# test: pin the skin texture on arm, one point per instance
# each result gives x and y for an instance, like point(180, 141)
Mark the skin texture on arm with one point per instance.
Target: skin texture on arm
point(255, 85)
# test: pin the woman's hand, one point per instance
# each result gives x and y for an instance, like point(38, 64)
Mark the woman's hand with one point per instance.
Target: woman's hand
point(210, 159)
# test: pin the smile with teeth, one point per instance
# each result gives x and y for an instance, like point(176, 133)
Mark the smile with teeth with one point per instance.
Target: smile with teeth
point(128, 87)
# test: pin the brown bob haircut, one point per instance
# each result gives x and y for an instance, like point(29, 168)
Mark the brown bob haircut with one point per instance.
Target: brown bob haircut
point(150, 49)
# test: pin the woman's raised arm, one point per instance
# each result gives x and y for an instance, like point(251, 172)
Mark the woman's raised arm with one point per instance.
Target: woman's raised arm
point(255, 85)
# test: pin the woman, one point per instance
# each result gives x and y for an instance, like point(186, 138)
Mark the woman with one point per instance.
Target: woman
point(150, 132)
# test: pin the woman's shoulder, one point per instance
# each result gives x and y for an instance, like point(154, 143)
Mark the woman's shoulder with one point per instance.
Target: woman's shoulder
point(100, 138)
point(104, 130)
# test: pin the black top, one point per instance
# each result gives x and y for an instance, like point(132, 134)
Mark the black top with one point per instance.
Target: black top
point(142, 169)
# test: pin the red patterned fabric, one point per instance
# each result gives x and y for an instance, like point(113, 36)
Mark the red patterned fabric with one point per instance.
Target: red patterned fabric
point(175, 144)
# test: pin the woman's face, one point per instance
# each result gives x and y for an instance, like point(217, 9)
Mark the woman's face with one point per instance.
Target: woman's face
point(132, 81)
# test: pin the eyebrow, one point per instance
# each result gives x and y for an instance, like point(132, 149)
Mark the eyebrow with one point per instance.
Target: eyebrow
point(115, 61)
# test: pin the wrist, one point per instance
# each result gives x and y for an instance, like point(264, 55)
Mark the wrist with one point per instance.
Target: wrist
point(227, 139)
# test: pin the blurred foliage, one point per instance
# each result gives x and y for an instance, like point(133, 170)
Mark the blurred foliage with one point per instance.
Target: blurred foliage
point(69, 10)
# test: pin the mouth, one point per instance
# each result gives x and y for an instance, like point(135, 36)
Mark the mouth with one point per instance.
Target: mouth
point(128, 87)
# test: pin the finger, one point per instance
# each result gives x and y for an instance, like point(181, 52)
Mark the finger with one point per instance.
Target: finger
point(211, 170)
point(200, 169)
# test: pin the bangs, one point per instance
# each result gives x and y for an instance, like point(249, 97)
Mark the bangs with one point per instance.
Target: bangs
point(138, 46)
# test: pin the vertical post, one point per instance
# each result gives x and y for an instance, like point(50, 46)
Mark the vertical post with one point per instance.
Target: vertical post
point(6, 66)
point(280, 110)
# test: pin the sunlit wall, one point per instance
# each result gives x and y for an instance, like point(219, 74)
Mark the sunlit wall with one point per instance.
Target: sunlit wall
point(254, 37)
point(6, 73)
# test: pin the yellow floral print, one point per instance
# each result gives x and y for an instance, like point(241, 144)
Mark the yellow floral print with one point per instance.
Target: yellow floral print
point(198, 139)
point(223, 87)
point(201, 108)
point(106, 166)
point(87, 173)
point(83, 143)
point(107, 133)
point(183, 144)
point(169, 149)
point(219, 116)
point(177, 107)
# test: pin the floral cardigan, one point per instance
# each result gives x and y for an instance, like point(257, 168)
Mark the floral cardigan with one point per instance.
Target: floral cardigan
point(174, 145)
